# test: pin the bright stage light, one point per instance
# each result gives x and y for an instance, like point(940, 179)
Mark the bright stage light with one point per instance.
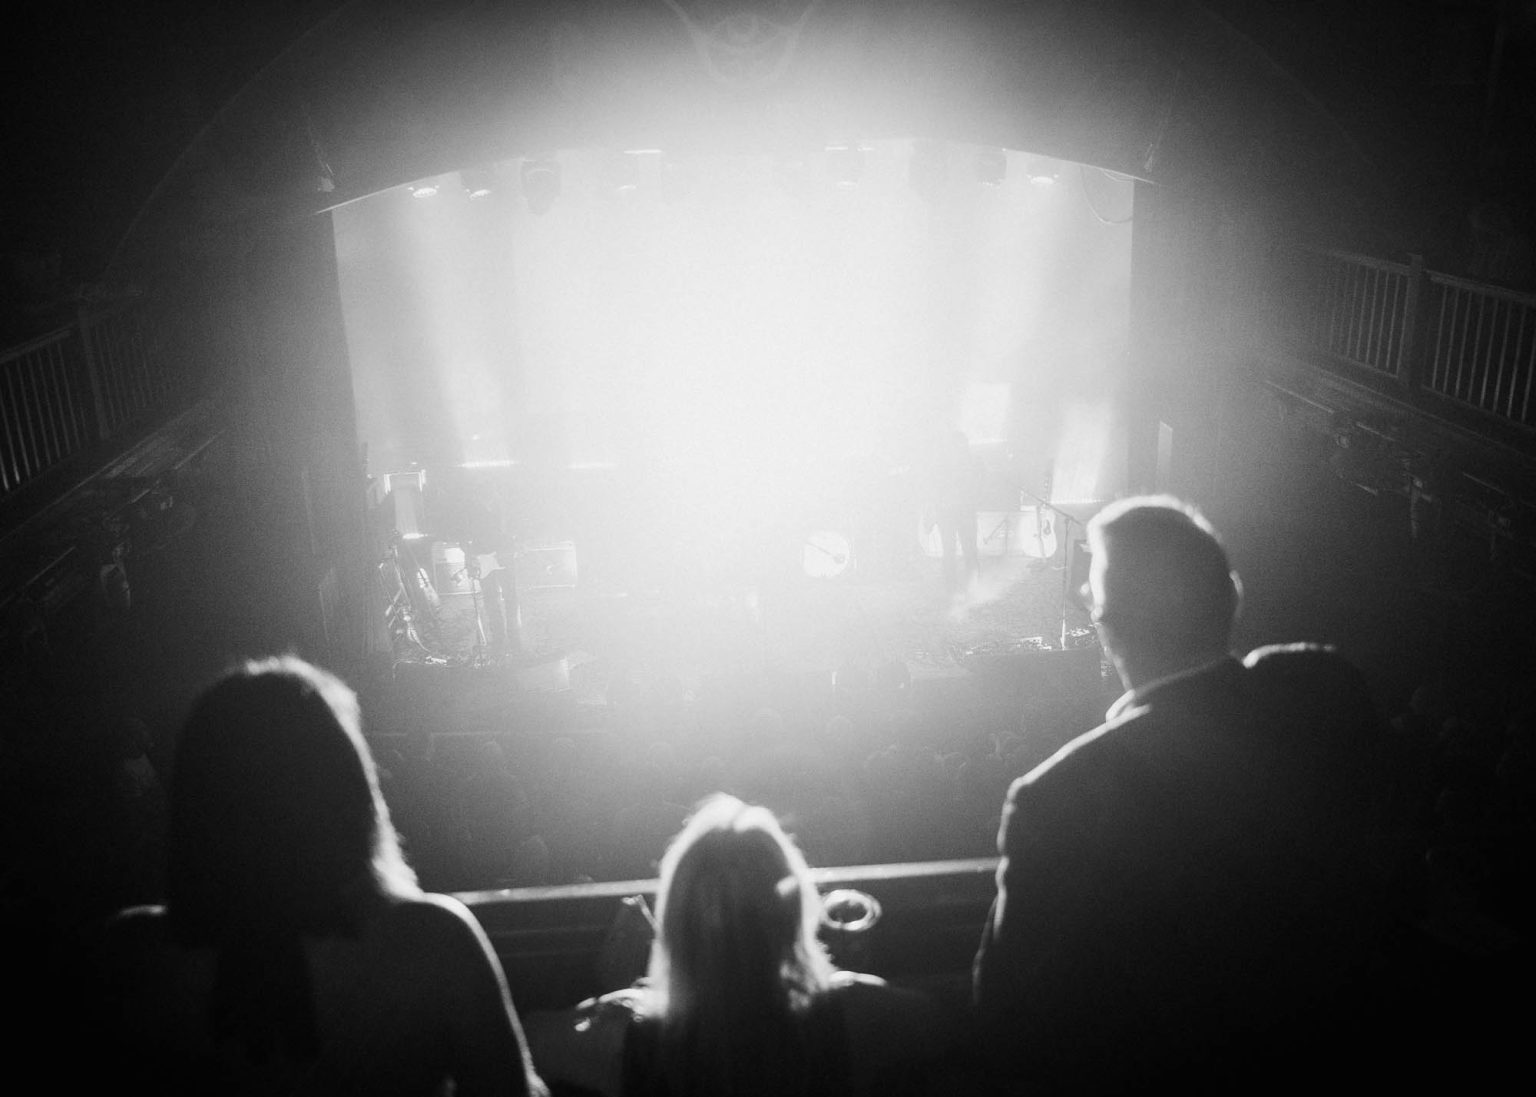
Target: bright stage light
point(478, 182)
point(1041, 172)
point(734, 344)
point(1087, 438)
point(983, 415)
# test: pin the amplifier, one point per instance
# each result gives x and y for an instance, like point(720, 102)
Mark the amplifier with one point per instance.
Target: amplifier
point(548, 565)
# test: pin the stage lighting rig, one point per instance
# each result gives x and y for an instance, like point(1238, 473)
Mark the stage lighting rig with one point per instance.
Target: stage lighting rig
point(1041, 172)
point(478, 182)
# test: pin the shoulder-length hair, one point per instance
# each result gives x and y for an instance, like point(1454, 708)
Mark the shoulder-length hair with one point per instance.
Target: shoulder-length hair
point(275, 809)
point(736, 957)
point(277, 832)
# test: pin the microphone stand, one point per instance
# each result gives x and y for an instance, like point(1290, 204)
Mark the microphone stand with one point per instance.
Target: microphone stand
point(477, 657)
point(1067, 522)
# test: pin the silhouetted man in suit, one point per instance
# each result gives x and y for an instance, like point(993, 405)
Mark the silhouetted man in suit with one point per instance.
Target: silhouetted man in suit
point(1181, 899)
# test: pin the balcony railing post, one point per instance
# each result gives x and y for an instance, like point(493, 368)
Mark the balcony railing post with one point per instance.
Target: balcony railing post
point(1410, 351)
point(93, 375)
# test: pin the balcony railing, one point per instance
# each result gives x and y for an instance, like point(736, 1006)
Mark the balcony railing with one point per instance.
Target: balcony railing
point(67, 392)
point(1480, 347)
point(46, 409)
point(550, 939)
point(1414, 331)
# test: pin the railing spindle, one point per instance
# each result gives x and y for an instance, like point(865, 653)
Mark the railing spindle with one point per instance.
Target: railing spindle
point(1530, 371)
point(10, 470)
point(1502, 361)
point(1440, 335)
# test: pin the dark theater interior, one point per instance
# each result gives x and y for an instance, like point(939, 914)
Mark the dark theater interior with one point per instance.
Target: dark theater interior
point(622, 548)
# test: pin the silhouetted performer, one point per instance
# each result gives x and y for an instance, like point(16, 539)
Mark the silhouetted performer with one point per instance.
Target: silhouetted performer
point(295, 952)
point(1183, 897)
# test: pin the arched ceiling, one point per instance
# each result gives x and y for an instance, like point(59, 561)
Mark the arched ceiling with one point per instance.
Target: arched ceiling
point(322, 103)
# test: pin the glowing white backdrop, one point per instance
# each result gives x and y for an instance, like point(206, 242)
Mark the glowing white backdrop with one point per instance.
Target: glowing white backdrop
point(738, 330)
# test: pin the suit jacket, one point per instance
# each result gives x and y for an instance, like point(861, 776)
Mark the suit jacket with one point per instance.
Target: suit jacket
point(1179, 894)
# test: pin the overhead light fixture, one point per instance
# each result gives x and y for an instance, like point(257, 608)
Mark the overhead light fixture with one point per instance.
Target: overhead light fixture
point(478, 182)
point(991, 167)
point(1040, 172)
point(427, 188)
point(541, 183)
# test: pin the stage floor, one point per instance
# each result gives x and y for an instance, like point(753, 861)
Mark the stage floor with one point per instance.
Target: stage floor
point(586, 647)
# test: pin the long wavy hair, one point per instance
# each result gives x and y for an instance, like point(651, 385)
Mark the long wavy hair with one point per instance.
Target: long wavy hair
point(736, 961)
point(277, 831)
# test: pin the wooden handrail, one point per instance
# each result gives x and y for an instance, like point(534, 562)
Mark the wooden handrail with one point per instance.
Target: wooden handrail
point(1485, 289)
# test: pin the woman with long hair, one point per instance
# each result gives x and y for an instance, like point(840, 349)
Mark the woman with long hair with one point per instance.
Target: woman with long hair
point(295, 952)
point(741, 997)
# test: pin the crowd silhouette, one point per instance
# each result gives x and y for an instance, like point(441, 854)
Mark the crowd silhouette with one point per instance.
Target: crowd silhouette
point(1245, 877)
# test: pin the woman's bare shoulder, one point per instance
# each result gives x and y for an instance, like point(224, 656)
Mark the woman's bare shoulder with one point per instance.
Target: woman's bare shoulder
point(428, 920)
point(134, 931)
point(854, 981)
point(429, 908)
point(142, 919)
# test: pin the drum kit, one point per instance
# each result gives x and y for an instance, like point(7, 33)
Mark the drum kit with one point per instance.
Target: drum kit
point(467, 553)
point(420, 625)
point(455, 547)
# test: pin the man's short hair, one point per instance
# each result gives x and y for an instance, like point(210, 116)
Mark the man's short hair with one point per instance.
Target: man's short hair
point(1166, 578)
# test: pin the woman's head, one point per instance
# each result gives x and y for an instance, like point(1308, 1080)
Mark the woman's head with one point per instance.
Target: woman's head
point(276, 817)
point(737, 915)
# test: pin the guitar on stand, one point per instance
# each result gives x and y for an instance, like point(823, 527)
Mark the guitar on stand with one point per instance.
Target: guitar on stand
point(412, 603)
point(1053, 528)
point(1045, 530)
point(1066, 565)
point(1030, 528)
point(498, 617)
point(474, 574)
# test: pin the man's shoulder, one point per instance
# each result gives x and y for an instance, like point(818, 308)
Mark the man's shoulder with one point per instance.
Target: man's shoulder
point(1082, 757)
point(1174, 710)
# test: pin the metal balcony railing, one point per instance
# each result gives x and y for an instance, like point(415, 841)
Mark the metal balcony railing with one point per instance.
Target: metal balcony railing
point(549, 939)
point(46, 410)
point(1415, 331)
point(75, 388)
point(1480, 347)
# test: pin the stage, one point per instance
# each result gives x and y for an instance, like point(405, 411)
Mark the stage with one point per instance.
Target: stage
point(595, 658)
